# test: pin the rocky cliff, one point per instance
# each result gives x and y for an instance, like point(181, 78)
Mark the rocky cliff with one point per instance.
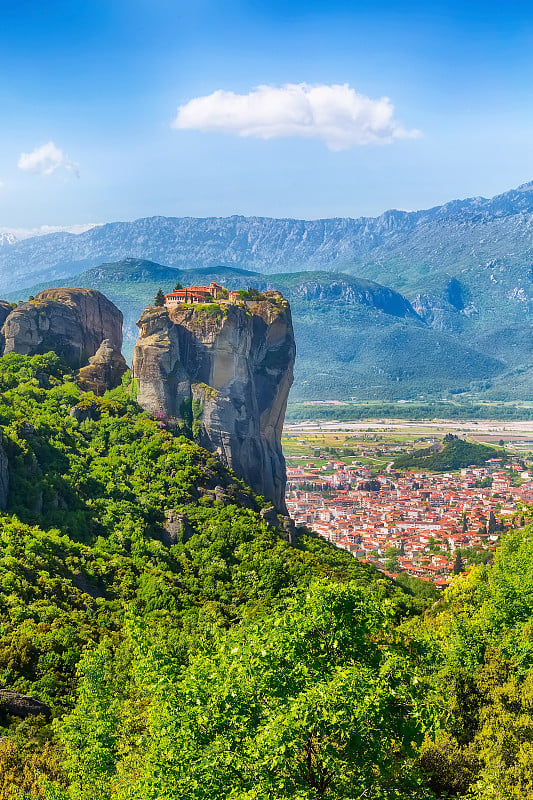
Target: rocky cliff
point(74, 323)
point(104, 370)
point(71, 322)
point(5, 310)
point(226, 370)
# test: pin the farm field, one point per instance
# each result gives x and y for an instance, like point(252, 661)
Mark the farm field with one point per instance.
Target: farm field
point(383, 439)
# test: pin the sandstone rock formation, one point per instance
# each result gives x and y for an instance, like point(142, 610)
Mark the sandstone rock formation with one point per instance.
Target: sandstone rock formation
point(80, 325)
point(104, 370)
point(226, 370)
point(21, 705)
point(177, 528)
point(5, 310)
point(71, 322)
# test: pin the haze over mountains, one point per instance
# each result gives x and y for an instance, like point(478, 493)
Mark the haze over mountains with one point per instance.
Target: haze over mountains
point(449, 311)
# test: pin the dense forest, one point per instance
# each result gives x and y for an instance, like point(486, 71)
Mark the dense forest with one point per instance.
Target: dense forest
point(184, 649)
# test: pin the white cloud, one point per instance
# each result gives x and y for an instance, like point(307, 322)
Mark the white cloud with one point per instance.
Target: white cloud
point(337, 114)
point(46, 159)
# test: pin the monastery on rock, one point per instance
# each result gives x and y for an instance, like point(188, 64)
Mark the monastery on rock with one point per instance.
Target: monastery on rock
point(201, 294)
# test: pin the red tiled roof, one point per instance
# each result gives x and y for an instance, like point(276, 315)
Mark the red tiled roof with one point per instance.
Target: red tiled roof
point(190, 290)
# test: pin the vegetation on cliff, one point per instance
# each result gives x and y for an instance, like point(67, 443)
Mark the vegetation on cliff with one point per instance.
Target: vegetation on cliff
point(186, 650)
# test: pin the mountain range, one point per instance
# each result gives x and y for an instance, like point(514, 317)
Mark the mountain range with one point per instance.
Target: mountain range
point(355, 338)
point(460, 234)
point(429, 302)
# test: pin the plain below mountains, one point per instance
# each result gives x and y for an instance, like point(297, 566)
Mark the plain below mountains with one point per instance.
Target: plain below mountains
point(355, 338)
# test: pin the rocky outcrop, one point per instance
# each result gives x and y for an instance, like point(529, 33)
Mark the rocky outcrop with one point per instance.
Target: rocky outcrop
point(176, 529)
point(20, 705)
point(226, 371)
point(71, 322)
point(80, 325)
point(353, 291)
point(104, 370)
point(5, 310)
point(437, 312)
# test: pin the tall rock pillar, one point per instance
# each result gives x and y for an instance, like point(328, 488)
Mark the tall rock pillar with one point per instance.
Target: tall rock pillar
point(231, 366)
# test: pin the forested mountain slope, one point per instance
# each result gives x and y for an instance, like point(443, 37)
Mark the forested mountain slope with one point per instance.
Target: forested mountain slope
point(111, 521)
point(161, 639)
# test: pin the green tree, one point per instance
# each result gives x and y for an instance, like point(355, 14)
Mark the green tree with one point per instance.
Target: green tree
point(308, 702)
point(417, 586)
point(159, 298)
point(391, 563)
point(392, 552)
point(458, 565)
point(91, 732)
point(434, 546)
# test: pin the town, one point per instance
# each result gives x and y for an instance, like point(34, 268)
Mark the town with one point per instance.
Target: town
point(428, 525)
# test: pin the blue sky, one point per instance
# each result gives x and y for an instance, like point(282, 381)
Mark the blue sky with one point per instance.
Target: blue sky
point(102, 82)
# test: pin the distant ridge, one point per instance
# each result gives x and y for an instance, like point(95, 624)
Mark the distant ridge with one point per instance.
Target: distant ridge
point(459, 234)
